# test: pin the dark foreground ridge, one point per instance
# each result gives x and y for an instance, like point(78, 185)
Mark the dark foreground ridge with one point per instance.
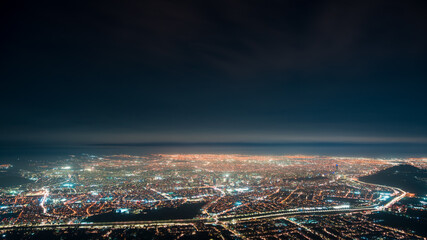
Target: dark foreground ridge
point(406, 177)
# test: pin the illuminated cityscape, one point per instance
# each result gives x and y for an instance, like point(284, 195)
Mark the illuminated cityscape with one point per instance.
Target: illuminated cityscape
point(223, 196)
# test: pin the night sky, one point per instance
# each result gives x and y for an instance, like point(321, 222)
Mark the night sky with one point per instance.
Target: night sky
point(157, 72)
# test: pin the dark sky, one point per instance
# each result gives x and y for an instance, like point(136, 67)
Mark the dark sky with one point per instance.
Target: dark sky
point(95, 72)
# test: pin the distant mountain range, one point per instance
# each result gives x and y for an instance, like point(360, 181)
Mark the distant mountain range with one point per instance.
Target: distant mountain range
point(406, 177)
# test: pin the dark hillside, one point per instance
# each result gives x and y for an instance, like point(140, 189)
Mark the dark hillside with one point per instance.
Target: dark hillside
point(406, 177)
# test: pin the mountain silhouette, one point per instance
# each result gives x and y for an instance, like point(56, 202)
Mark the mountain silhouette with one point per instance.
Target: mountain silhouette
point(406, 177)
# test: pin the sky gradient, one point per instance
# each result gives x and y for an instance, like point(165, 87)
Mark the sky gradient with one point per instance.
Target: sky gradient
point(142, 72)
